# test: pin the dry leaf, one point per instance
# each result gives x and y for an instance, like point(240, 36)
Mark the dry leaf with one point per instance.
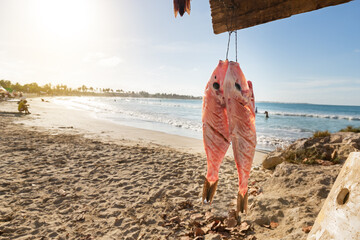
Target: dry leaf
point(209, 216)
point(230, 222)
point(175, 219)
point(244, 226)
point(266, 225)
point(274, 225)
point(199, 232)
point(194, 223)
point(185, 205)
point(307, 229)
point(196, 216)
point(252, 237)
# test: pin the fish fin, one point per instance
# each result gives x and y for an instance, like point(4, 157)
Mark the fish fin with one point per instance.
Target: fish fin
point(209, 191)
point(176, 7)
point(252, 93)
point(242, 203)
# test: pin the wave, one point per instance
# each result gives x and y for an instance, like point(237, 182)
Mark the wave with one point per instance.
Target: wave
point(172, 103)
point(312, 115)
point(271, 143)
point(109, 111)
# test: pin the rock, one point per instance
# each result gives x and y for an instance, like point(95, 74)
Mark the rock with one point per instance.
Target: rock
point(272, 160)
point(335, 148)
point(335, 138)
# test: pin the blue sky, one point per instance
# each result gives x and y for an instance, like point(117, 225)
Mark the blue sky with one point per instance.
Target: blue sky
point(138, 45)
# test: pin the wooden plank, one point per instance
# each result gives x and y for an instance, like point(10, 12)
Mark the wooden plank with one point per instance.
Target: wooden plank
point(339, 217)
point(229, 15)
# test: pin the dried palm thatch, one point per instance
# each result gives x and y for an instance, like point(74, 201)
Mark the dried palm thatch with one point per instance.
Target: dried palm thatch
point(229, 15)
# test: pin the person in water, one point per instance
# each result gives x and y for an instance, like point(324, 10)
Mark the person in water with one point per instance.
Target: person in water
point(266, 114)
point(23, 107)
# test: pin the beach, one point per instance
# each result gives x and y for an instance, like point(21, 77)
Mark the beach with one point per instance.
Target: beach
point(68, 175)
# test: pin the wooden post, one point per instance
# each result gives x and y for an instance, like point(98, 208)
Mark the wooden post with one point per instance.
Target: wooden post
point(339, 217)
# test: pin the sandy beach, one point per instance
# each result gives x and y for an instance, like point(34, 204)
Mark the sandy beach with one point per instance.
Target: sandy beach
point(67, 175)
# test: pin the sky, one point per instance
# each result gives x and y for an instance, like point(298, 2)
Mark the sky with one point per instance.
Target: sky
point(139, 45)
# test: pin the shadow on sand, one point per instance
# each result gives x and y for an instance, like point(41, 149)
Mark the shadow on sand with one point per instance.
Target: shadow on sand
point(12, 114)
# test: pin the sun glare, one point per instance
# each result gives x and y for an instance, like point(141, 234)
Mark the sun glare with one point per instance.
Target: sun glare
point(64, 18)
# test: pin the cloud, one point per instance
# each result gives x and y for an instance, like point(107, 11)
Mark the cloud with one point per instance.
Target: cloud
point(102, 60)
point(110, 62)
point(94, 56)
point(357, 50)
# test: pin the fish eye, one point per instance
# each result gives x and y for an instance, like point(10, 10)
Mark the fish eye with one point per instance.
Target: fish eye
point(216, 86)
point(238, 86)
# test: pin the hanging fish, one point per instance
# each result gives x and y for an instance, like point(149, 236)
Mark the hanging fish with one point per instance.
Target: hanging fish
point(240, 104)
point(181, 6)
point(215, 129)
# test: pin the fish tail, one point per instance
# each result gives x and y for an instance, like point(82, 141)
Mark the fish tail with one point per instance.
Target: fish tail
point(187, 6)
point(242, 203)
point(176, 7)
point(209, 191)
point(182, 6)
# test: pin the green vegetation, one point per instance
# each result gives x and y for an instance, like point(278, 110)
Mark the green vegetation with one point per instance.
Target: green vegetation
point(63, 90)
point(351, 129)
point(321, 134)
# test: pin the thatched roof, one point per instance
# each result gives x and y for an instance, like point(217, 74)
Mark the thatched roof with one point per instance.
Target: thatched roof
point(228, 15)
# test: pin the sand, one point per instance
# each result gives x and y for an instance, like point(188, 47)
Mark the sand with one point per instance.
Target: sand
point(67, 175)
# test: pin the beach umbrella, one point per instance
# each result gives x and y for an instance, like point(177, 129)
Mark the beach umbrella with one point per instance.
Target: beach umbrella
point(3, 90)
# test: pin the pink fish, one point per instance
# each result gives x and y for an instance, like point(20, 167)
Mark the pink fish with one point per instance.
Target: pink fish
point(215, 129)
point(181, 6)
point(240, 104)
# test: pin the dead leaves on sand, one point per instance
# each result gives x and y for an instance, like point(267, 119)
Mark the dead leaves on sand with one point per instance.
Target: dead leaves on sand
point(307, 229)
point(272, 225)
point(206, 224)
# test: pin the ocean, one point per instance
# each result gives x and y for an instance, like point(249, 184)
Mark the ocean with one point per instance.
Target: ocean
point(287, 122)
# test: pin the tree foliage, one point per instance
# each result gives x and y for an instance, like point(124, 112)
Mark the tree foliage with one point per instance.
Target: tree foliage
point(63, 90)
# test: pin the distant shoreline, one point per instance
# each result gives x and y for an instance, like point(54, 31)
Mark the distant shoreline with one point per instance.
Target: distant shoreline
point(130, 95)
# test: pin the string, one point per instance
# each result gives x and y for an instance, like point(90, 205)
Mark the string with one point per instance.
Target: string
point(236, 49)
point(231, 26)
point(228, 46)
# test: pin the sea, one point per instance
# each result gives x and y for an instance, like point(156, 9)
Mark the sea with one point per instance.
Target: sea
point(287, 122)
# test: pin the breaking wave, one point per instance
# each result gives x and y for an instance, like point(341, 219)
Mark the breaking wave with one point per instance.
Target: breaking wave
point(312, 115)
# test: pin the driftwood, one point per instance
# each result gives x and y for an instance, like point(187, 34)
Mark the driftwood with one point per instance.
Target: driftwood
point(229, 15)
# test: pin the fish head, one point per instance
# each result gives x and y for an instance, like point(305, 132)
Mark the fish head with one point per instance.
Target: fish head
point(215, 85)
point(236, 86)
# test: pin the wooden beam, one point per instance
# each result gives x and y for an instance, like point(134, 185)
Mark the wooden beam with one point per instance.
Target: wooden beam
point(229, 15)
